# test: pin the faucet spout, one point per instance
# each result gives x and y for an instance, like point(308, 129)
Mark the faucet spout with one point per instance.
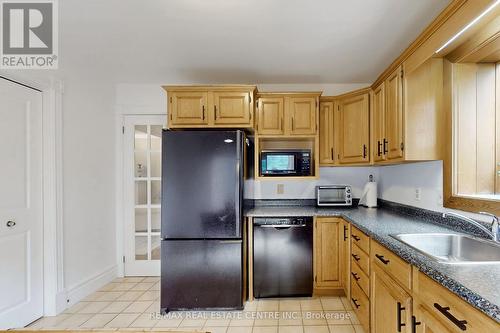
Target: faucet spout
point(493, 234)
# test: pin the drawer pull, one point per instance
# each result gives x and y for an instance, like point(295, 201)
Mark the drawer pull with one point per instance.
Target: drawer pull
point(445, 311)
point(381, 258)
point(414, 324)
point(354, 301)
point(399, 323)
point(356, 257)
point(356, 238)
point(355, 276)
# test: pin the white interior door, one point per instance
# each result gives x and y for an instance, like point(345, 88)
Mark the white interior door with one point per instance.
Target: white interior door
point(21, 239)
point(142, 194)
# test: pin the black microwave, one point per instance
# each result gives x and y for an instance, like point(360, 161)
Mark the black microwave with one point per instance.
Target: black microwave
point(276, 163)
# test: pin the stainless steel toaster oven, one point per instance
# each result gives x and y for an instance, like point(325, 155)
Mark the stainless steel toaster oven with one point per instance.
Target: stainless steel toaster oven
point(334, 195)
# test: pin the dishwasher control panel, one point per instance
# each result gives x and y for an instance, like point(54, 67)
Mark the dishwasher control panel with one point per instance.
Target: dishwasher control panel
point(288, 220)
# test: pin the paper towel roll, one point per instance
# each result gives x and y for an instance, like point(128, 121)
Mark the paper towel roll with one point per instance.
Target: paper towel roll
point(369, 196)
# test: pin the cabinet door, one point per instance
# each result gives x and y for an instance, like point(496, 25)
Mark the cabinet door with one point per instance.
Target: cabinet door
point(302, 113)
point(326, 121)
point(345, 257)
point(394, 115)
point(352, 126)
point(379, 144)
point(327, 234)
point(232, 108)
point(425, 322)
point(188, 108)
point(390, 304)
point(270, 116)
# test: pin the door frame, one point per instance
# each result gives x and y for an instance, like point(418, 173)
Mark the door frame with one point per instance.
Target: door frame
point(54, 298)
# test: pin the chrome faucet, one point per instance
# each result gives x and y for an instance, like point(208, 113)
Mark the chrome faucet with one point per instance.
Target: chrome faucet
point(493, 233)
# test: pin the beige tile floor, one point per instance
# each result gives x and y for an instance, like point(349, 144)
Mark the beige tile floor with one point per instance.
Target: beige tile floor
point(133, 304)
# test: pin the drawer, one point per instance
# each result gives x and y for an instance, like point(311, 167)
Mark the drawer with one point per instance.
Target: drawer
point(392, 264)
point(360, 239)
point(361, 278)
point(360, 258)
point(361, 305)
point(436, 298)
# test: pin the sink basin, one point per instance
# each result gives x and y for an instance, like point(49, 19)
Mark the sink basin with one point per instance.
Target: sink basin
point(453, 248)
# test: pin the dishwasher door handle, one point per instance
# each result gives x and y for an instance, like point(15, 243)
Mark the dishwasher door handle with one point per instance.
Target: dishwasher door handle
point(282, 225)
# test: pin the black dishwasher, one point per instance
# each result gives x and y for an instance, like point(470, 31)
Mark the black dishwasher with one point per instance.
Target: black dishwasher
point(282, 256)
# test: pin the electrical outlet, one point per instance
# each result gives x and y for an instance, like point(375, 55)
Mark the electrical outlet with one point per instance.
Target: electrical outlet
point(280, 189)
point(418, 193)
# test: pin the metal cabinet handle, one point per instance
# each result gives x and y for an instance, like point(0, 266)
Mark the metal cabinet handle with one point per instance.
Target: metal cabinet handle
point(399, 323)
point(331, 149)
point(414, 324)
point(203, 112)
point(355, 276)
point(379, 148)
point(446, 312)
point(381, 258)
point(364, 151)
point(356, 257)
point(215, 112)
point(345, 233)
point(356, 238)
point(385, 146)
point(10, 224)
point(355, 302)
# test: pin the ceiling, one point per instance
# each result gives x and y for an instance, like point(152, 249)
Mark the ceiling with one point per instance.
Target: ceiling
point(238, 41)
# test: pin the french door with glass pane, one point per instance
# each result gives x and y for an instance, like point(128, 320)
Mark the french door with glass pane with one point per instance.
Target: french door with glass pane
point(142, 194)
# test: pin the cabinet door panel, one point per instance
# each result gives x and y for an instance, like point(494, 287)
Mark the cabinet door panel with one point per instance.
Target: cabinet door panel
point(270, 118)
point(394, 115)
point(345, 257)
point(327, 249)
point(378, 111)
point(390, 304)
point(353, 129)
point(232, 108)
point(326, 122)
point(302, 115)
point(188, 108)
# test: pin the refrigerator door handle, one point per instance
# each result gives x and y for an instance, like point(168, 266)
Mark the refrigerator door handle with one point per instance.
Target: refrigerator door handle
point(231, 241)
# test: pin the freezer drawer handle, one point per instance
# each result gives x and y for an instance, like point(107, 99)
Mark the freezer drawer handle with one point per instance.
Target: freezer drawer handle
point(282, 226)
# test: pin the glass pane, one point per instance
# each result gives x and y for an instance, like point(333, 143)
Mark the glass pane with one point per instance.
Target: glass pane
point(141, 220)
point(141, 137)
point(156, 137)
point(155, 192)
point(141, 248)
point(141, 192)
point(155, 219)
point(155, 247)
point(156, 164)
point(141, 164)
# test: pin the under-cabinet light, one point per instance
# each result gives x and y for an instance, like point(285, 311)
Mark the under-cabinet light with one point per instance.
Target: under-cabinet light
point(474, 21)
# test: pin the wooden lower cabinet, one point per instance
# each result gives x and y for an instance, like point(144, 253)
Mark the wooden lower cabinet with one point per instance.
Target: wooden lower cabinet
point(390, 304)
point(345, 257)
point(328, 240)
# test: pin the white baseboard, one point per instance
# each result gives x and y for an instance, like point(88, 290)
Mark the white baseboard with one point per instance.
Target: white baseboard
point(75, 294)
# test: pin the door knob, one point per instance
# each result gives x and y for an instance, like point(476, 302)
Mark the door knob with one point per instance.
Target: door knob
point(10, 224)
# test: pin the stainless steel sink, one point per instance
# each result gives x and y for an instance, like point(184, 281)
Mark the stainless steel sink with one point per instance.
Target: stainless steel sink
point(453, 248)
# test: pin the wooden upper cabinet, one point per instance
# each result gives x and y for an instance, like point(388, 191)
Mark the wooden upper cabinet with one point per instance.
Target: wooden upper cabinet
point(352, 127)
point(379, 143)
point(270, 115)
point(326, 137)
point(302, 115)
point(232, 108)
point(219, 106)
point(394, 115)
point(188, 108)
point(327, 249)
point(390, 304)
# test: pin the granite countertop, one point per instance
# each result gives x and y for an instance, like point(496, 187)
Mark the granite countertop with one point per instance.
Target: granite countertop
point(477, 284)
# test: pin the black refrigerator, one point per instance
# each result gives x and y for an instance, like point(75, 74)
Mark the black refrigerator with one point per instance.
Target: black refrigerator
point(201, 220)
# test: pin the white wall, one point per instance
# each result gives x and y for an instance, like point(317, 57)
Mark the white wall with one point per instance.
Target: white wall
point(88, 184)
